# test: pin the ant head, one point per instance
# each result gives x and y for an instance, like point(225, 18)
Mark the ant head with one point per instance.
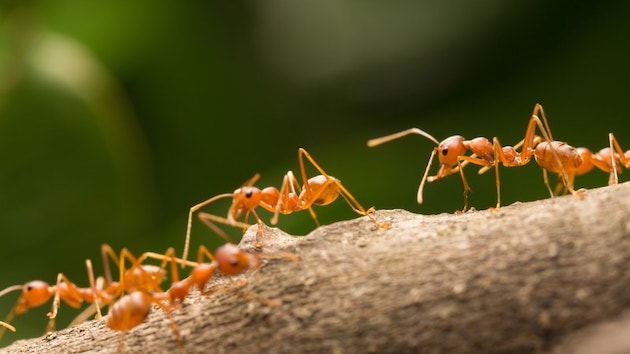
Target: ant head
point(34, 293)
point(450, 149)
point(232, 260)
point(244, 199)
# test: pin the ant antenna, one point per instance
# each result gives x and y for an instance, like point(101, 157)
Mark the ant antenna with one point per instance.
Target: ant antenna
point(385, 139)
point(388, 138)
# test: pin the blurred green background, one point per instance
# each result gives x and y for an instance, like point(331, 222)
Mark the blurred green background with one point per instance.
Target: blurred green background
point(117, 116)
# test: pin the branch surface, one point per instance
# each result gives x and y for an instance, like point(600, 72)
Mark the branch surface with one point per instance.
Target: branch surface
point(544, 276)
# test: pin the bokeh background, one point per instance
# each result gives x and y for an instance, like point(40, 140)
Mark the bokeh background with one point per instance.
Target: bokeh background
point(117, 116)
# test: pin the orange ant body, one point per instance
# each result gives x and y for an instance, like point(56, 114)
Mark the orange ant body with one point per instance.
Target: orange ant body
point(320, 190)
point(554, 156)
point(609, 159)
point(36, 293)
point(132, 309)
point(142, 286)
point(103, 291)
point(228, 260)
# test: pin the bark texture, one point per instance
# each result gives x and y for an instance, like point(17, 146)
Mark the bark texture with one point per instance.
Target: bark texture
point(544, 276)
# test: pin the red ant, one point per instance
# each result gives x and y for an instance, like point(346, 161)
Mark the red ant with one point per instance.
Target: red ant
point(320, 190)
point(609, 159)
point(555, 156)
point(142, 285)
point(132, 309)
point(36, 293)
point(227, 259)
point(102, 291)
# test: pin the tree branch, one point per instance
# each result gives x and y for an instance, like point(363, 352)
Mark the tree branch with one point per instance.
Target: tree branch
point(523, 279)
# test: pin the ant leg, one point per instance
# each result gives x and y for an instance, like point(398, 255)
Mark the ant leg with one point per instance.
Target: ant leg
point(83, 316)
point(7, 326)
point(199, 206)
point(476, 161)
point(546, 181)
point(424, 177)
point(539, 109)
point(288, 197)
point(466, 186)
point(11, 314)
point(70, 295)
point(622, 156)
point(168, 257)
point(88, 265)
point(498, 152)
point(209, 219)
point(260, 234)
point(55, 305)
point(354, 204)
point(108, 253)
point(282, 200)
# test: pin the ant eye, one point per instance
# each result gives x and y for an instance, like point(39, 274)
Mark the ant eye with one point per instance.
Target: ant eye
point(29, 288)
point(445, 151)
point(234, 262)
point(249, 193)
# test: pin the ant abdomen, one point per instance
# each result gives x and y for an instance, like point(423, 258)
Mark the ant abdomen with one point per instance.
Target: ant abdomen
point(129, 311)
point(567, 155)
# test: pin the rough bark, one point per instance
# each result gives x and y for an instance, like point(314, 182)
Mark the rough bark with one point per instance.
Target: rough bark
point(544, 276)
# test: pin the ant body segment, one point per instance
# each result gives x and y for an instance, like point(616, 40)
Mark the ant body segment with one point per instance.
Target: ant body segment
point(102, 291)
point(610, 159)
point(133, 308)
point(142, 286)
point(37, 292)
point(320, 190)
point(554, 156)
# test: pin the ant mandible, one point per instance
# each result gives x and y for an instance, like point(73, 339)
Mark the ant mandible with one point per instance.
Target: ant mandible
point(320, 190)
point(554, 156)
